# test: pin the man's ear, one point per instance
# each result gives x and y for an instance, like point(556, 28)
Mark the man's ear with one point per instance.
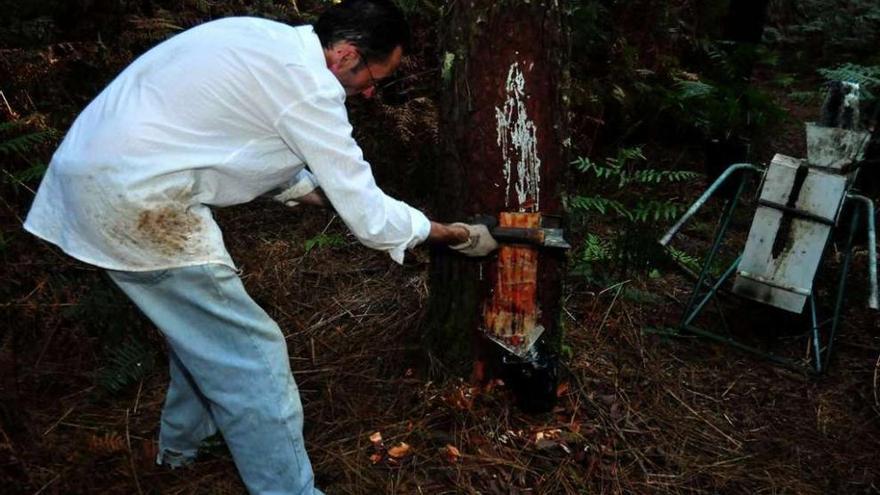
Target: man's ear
point(345, 56)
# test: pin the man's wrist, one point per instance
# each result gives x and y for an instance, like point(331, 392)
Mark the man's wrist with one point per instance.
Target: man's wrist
point(447, 234)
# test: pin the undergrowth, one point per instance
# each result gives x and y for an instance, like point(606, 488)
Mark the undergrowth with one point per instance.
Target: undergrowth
point(18, 143)
point(620, 190)
point(127, 353)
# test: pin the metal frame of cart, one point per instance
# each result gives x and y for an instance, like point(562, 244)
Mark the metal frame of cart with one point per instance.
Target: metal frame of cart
point(707, 287)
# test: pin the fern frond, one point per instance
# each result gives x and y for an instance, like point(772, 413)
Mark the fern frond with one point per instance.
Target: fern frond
point(867, 77)
point(630, 154)
point(106, 444)
point(600, 171)
point(595, 249)
point(864, 75)
point(693, 89)
point(654, 211)
point(599, 205)
point(692, 263)
point(323, 240)
point(583, 164)
point(127, 363)
point(652, 176)
point(720, 53)
point(31, 173)
point(24, 143)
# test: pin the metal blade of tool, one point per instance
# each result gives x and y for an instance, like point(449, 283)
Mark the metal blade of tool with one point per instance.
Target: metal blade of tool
point(541, 236)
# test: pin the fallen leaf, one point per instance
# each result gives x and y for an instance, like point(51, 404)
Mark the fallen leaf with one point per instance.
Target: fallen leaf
point(376, 438)
point(399, 451)
point(461, 398)
point(452, 453)
point(551, 434)
point(562, 389)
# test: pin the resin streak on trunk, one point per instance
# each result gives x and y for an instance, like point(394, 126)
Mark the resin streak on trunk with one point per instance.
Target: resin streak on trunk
point(517, 138)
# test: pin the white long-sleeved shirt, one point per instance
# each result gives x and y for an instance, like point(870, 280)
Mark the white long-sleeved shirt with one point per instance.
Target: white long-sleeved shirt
point(215, 116)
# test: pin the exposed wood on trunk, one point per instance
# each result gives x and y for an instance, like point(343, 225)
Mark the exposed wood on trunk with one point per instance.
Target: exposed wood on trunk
point(511, 315)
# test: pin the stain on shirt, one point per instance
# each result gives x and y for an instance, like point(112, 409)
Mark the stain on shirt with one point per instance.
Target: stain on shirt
point(168, 230)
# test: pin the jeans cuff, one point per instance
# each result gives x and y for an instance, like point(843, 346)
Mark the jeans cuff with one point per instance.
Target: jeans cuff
point(174, 459)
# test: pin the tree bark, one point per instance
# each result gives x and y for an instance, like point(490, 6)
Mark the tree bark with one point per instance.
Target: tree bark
point(504, 119)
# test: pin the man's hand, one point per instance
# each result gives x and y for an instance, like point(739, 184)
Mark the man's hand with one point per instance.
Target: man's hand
point(291, 197)
point(314, 198)
point(301, 189)
point(479, 241)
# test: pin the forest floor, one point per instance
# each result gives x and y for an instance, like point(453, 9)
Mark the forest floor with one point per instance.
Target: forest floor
point(639, 411)
point(640, 408)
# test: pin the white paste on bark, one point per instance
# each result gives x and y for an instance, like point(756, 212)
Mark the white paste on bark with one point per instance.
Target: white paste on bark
point(517, 138)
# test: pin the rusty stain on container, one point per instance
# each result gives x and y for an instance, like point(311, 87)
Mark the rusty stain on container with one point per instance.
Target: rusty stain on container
point(511, 315)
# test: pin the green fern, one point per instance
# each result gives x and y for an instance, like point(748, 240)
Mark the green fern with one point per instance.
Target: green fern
point(23, 146)
point(127, 363)
point(654, 210)
point(615, 174)
point(628, 154)
point(323, 240)
point(617, 181)
point(615, 168)
point(600, 205)
point(692, 263)
point(693, 89)
point(595, 249)
point(109, 317)
point(31, 173)
point(867, 77)
point(24, 143)
point(651, 176)
point(719, 53)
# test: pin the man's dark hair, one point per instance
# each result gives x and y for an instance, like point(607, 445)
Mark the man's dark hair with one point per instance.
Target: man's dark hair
point(375, 26)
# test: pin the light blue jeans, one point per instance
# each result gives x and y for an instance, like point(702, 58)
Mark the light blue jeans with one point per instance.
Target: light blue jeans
point(229, 372)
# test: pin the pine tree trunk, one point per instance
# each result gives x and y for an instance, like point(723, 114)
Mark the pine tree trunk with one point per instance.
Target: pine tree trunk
point(504, 121)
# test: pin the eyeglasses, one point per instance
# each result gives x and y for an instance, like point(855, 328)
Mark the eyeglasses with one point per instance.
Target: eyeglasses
point(373, 82)
point(380, 85)
point(376, 84)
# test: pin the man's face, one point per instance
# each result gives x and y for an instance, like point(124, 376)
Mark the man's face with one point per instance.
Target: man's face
point(359, 76)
